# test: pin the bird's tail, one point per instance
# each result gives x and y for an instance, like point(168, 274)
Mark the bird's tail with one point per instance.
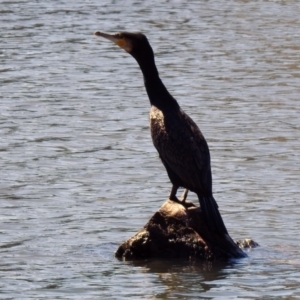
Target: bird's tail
point(212, 215)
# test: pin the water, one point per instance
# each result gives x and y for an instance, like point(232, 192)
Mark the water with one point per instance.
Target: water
point(79, 173)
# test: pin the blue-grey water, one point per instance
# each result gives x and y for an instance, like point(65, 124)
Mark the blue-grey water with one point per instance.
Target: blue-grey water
point(79, 173)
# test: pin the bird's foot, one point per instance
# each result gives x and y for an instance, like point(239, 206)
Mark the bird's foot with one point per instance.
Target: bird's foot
point(184, 195)
point(182, 199)
point(175, 199)
point(173, 195)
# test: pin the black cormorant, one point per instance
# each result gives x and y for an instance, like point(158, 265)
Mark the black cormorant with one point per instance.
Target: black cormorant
point(181, 146)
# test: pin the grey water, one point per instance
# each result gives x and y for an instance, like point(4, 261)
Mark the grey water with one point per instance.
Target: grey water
point(79, 173)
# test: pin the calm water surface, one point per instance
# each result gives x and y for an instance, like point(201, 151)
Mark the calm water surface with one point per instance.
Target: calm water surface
point(79, 173)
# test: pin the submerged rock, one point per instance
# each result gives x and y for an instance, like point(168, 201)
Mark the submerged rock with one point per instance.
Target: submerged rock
point(178, 231)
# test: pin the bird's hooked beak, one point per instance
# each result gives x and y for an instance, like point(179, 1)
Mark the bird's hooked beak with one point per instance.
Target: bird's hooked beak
point(117, 38)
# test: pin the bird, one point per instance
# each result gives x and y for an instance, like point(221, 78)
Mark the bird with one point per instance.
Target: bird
point(179, 142)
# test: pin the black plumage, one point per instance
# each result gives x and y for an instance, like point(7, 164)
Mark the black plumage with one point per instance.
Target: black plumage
point(181, 146)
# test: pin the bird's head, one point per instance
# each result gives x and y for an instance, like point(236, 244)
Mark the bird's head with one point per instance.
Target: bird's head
point(135, 44)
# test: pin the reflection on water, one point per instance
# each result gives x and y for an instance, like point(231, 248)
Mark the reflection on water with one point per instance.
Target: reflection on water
point(79, 173)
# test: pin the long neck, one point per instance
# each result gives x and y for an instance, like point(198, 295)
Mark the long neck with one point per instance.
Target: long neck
point(156, 90)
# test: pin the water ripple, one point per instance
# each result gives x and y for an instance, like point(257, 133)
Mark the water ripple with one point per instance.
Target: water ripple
point(79, 173)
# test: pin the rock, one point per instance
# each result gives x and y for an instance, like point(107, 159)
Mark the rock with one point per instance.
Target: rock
point(247, 244)
point(178, 231)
